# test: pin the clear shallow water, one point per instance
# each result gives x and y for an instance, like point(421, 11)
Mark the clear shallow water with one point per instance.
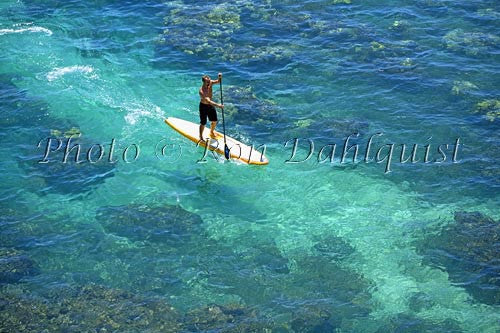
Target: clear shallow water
point(304, 246)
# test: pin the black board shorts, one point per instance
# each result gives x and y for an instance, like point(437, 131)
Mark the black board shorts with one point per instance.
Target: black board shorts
point(207, 110)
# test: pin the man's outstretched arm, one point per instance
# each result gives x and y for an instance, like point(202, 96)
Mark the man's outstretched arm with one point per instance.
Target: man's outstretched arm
point(218, 80)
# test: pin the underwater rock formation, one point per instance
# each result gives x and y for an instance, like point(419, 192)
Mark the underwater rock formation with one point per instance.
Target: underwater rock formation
point(10, 218)
point(258, 117)
point(383, 56)
point(91, 308)
point(328, 130)
point(230, 318)
point(463, 87)
point(400, 26)
point(262, 256)
point(15, 265)
point(246, 107)
point(141, 222)
point(257, 268)
point(477, 44)
point(334, 248)
point(490, 108)
point(338, 295)
point(222, 27)
point(95, 308)
point(313, 319)
point(469, 250)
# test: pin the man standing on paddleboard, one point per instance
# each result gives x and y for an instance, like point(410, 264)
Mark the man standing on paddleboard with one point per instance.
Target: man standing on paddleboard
point(207, 106)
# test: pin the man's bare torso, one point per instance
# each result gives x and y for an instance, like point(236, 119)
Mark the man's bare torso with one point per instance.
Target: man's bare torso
point(205, 92)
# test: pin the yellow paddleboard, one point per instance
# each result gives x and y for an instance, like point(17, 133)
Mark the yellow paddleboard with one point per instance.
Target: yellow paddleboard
point(237, 150)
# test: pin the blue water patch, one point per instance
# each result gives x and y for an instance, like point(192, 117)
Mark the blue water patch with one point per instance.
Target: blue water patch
point(378, 211)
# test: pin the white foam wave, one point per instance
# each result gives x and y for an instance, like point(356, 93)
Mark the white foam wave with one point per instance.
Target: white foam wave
point(134, 114)
point(58, 72)
point(28, 29)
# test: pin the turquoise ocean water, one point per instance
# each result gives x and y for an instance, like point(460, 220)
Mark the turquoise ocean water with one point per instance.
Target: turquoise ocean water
point(311, 246)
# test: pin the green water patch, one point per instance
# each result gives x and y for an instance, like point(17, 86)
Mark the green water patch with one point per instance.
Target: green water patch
point(374, 215)
point(339, 293)
point(197, 270)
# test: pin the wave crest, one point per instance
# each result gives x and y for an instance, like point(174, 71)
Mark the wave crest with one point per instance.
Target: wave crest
point(27, 29)
point(58, 72)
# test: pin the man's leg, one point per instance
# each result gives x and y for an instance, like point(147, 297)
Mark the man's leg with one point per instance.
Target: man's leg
point(203, 119)
point(212, 128)
point(202, 127)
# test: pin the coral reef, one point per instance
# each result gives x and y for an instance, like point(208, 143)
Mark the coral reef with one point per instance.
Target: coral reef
point(95, 308)
point(471, 43)
point(221, 29)
point(463, 87)
point(90, 308)
point(490, 108)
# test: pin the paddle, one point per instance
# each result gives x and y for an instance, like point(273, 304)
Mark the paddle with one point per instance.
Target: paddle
point(226, 148)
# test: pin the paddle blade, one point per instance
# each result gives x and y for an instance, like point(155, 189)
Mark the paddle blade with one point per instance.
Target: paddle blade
point(226, 152)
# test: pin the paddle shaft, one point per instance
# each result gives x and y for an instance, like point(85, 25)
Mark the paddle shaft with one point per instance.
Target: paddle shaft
point(226, 148)
point(223, 122)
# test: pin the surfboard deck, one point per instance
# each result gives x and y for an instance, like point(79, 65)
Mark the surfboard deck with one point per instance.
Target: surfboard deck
point(237, 150)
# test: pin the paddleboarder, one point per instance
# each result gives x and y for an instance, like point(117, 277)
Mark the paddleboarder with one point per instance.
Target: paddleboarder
point(207, 106)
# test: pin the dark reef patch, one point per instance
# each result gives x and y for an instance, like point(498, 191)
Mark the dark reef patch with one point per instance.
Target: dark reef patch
point(15, 265)
point(469, 250)
point(165, 223)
